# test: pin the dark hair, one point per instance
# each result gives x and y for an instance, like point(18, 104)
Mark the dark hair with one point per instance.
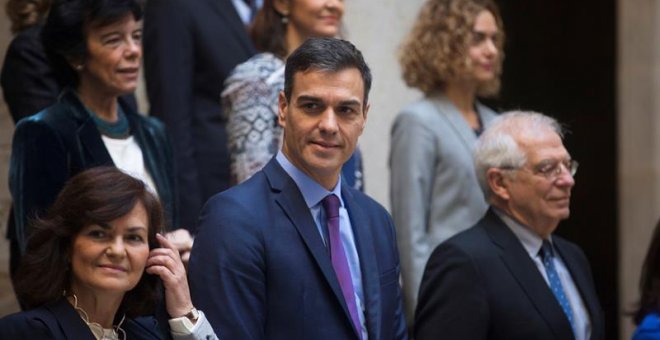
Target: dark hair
point(65, 33)
point(649, 282)
point(326, 55)
point(96, 196)
point(267, 31)
point(26, 13)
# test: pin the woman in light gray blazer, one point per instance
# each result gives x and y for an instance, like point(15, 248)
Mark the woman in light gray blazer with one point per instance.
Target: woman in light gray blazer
point(453, 54)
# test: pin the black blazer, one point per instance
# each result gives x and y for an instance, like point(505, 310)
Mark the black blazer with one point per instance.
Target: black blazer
point(189, 49)
point(481, 284)
point(60, 321)
point(259, 268)
point(52, 146)
point(28, 82)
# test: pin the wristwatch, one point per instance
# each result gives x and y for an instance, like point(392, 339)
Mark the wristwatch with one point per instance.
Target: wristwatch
point(193, 315)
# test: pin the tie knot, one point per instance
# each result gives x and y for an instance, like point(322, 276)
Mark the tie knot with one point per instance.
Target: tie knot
point(331, 205)
point(546, 250)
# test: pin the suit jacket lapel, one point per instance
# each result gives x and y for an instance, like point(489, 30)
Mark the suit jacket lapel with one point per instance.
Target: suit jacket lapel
point(454, 118)
point(526, 273)
point(368, 266)
point(288, 197)
point(92, 149)
point(485, 113)
point(69, 320)
point(146, 143)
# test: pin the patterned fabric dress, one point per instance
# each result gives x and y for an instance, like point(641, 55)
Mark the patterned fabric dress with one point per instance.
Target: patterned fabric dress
point(249, 101)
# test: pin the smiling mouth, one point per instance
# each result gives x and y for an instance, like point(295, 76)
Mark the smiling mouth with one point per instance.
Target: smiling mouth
point(113, 268)
point(129, 71)
point(330, 18)
point(327, 145)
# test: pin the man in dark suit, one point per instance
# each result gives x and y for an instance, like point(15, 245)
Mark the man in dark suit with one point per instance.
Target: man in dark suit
point(508, 277)
point(190, 47)
point(294, 252)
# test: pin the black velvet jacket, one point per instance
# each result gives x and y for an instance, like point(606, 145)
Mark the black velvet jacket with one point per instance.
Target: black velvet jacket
point(55, 144)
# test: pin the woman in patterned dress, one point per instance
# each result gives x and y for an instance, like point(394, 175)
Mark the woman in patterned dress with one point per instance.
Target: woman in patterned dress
point(250, 94)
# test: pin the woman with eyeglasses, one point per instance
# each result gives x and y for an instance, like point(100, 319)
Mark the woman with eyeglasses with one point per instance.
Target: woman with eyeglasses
point(453, 55)
point(95, 48)
point(93, 263)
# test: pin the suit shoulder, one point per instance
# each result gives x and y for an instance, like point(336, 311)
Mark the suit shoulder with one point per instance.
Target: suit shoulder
point(57, 117)
point(420, 110)
point(474, 241)
point(27, 42)
point(244, 202)
point(44, 119)
point(32, 324)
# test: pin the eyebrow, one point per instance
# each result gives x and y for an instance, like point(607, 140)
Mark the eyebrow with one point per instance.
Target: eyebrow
point(486, 33)
point(111, 33)
point(305, 98)
point(105, 225)
point(348, 102)
point(137, 228)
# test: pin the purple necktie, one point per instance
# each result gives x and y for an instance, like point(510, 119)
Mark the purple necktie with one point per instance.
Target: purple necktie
point(339, 262)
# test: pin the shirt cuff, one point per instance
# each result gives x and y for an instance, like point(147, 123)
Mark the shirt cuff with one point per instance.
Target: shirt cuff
point(183, 326)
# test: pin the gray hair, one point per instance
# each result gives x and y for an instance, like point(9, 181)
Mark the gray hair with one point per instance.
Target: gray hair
point(497, 147)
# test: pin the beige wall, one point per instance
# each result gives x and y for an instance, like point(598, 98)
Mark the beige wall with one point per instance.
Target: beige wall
point(377, 30)
point(639, 141)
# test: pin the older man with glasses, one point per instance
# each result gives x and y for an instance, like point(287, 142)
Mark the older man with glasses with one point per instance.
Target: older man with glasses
point(509, 277)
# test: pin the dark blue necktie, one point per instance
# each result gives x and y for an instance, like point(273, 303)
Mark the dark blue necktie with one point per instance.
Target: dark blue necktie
point(547, 255)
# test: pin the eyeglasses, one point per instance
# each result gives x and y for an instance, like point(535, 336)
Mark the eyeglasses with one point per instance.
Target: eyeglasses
point(551, 169)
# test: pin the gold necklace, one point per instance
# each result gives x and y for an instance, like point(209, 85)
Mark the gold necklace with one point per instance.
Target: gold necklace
point(99, 332)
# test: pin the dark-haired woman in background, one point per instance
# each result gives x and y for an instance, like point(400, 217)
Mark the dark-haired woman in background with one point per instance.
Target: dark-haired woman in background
point(82, 276)
point(250, 95)
point(647, 316)
point(28, 82)
point(95, 48)
point(454, 55)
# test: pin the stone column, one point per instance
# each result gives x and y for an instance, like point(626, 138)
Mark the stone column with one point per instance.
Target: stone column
point(7, 301)
point(639, 142)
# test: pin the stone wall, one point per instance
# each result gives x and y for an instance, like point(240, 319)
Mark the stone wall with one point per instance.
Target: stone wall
point(7, 301)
